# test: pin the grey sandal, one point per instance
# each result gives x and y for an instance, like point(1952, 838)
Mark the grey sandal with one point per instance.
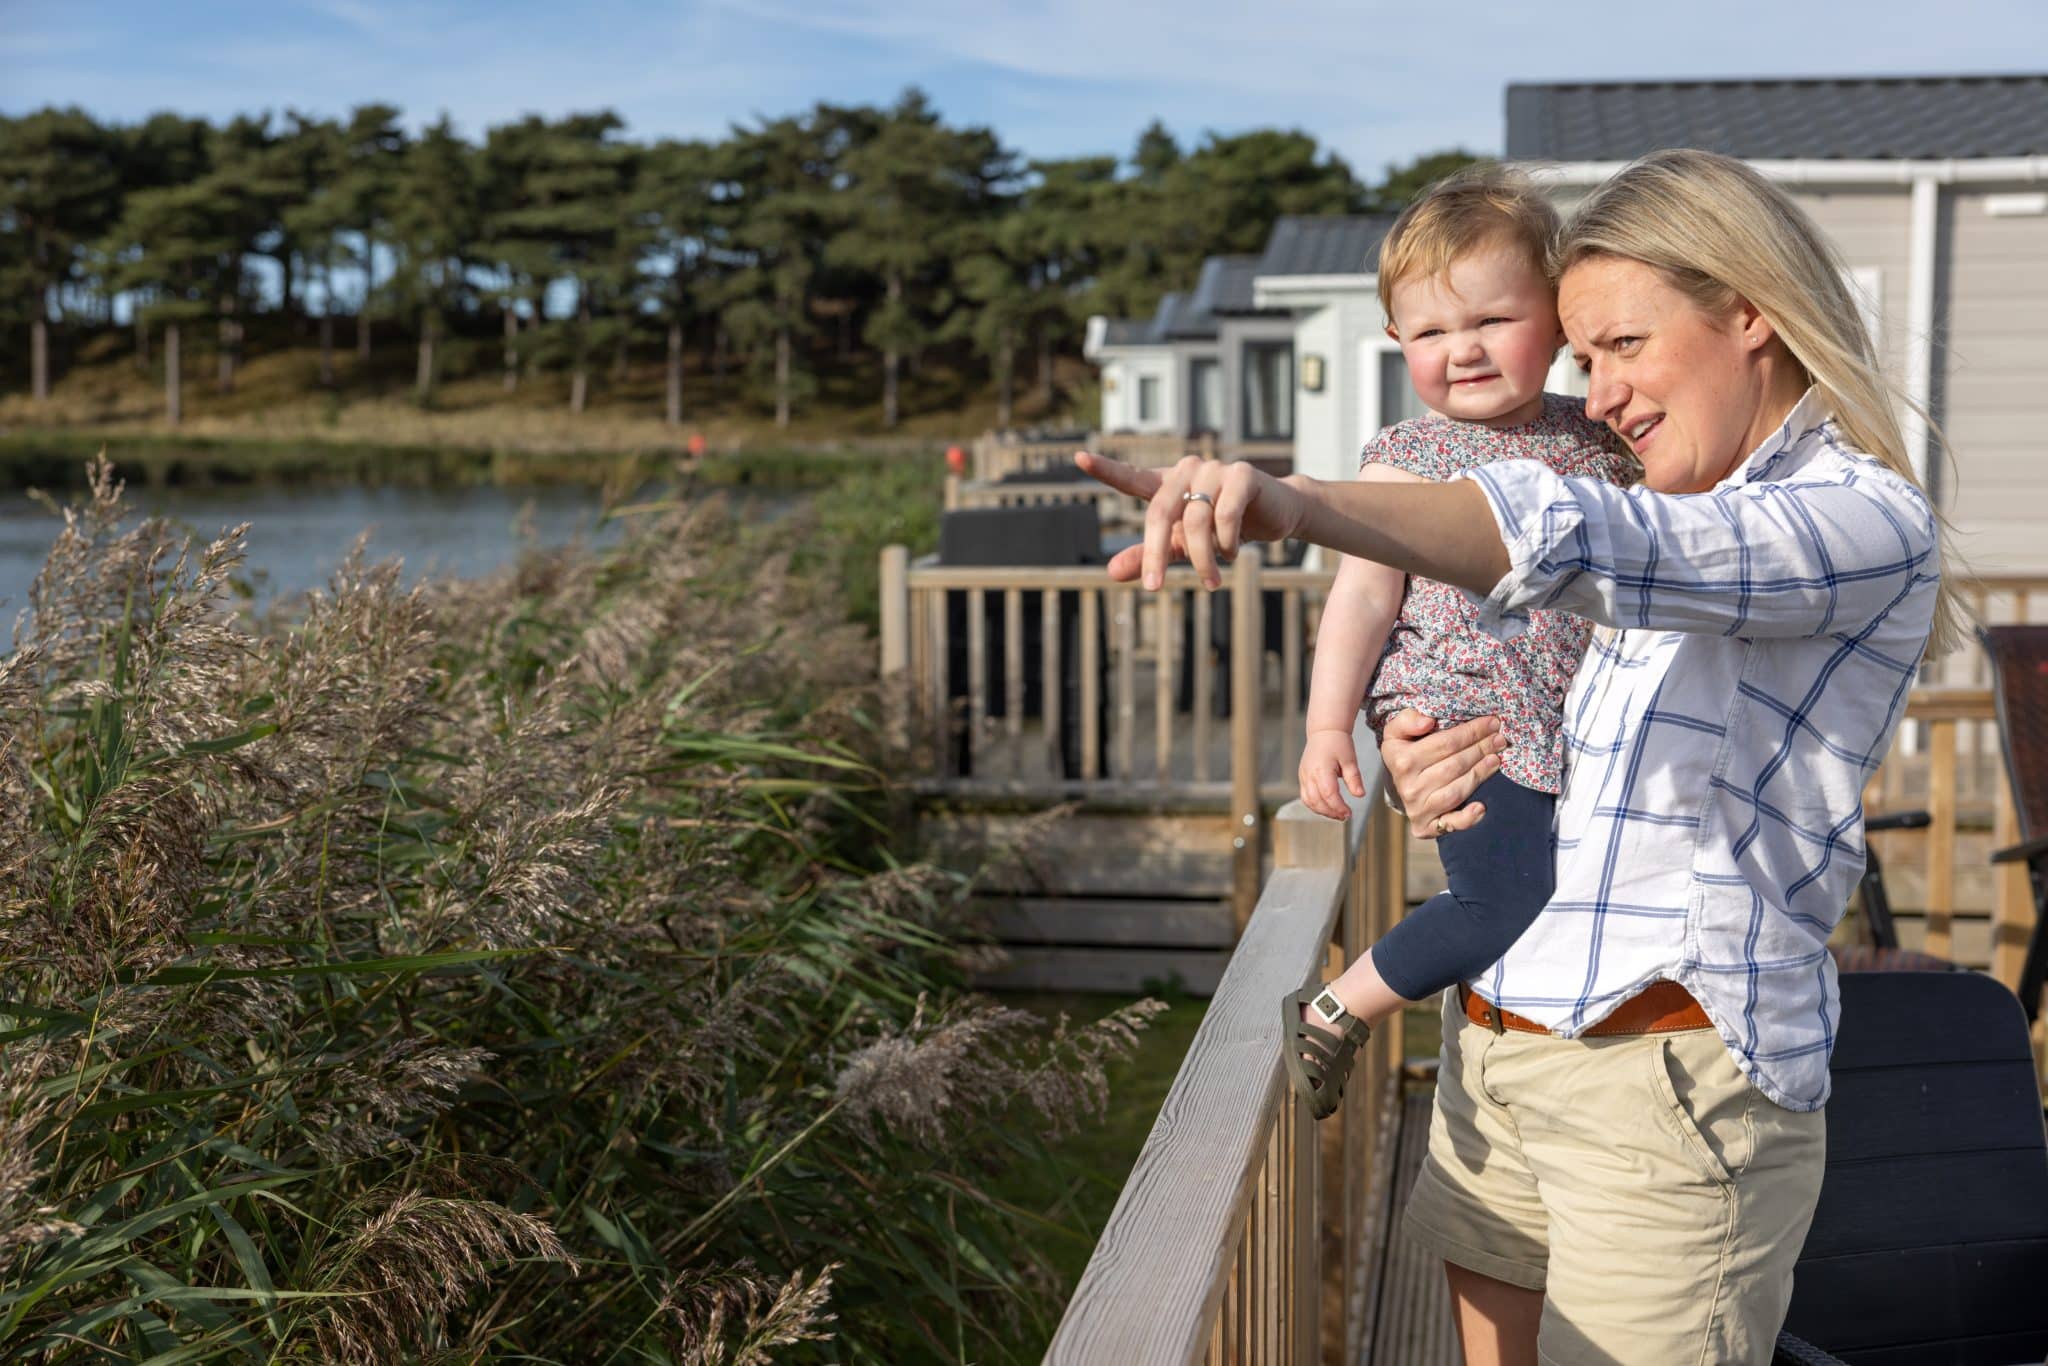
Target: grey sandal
point(1319, 1076)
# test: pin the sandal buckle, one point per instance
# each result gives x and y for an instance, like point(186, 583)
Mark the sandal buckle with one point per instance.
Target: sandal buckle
point(1328, 1006)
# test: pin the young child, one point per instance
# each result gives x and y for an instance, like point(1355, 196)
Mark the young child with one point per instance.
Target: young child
point(1462, 276)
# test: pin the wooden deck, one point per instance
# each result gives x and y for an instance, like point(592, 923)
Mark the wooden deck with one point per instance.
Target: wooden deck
point(1413, 1326)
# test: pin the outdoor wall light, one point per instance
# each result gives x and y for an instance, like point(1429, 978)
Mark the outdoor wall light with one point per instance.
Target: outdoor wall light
point(1312, 373)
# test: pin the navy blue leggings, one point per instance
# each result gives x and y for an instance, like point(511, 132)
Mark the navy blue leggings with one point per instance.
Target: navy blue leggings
point(1501, 872)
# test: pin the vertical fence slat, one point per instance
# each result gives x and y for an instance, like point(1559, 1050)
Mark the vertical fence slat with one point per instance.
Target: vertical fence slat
point(917, 688)
point(1053, 689)
point(942, 703)
point(1162, 686)
point(1247, 636)
point(2012, 900)
point(1091, 684)
point(1941, 836)
point(1126, 620)
point(1290, 666)
point(1013, 662)
point(1308, 1239)
point(1203, 606)
point(977, 673)
point(896, 677)
point(1258, 1285)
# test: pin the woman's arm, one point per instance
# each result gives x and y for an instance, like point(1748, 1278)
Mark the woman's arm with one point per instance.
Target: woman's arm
point(1441, 531)
point(1828, 552)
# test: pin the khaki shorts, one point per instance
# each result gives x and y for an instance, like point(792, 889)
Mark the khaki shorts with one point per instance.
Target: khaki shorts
point(1655, 1197)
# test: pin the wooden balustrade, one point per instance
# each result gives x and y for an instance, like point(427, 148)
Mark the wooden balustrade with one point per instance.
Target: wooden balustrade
point(1943, 714)
point(1243, 1217)
point(1157, 685)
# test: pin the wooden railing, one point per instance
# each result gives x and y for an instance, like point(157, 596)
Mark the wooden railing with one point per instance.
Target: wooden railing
point(1146, 732)
point(1247, 1232)
point(965, 733)
point(1933, 780)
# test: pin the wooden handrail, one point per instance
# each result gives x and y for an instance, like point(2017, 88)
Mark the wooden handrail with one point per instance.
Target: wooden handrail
point(1214, 1250)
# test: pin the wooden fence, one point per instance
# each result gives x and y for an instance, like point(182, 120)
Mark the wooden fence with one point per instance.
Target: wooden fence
point(962, 722)
point(1246, 1231)
point(1135, 720)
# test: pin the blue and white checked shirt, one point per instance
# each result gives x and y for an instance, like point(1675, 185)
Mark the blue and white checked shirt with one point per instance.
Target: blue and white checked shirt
point(1753, 650)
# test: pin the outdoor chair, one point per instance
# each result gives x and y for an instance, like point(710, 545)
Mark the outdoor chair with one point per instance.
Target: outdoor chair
point(2019, 669)
point(1882, 953)
point(1929, 1245)
point(1056, 534)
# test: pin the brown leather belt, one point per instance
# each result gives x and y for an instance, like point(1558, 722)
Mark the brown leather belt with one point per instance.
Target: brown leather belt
point(1659, 1008)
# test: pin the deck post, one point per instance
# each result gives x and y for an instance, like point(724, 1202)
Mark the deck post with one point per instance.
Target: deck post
point(1247, 654)
point(1941, 837)
point(896, 679)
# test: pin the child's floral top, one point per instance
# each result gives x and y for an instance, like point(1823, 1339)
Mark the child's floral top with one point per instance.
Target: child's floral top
point(1437, 660)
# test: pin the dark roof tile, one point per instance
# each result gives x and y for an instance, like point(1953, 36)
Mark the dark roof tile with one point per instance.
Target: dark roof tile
point(1329, 245)
point(1875, 118)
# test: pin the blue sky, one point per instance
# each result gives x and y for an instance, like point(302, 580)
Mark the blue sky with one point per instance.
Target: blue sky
point(1376, 82)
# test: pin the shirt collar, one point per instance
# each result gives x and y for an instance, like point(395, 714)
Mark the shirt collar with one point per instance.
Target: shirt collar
point(1806, 416)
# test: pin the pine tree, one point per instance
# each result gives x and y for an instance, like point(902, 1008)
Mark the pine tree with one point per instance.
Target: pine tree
point(59, 189)
point(434, 222)
point(373, 146)
point(174, 243)
point(778, 179)
point(558, 216)
point(1404, 183)
point(672, 206)
point(913, 188)
point(316, 221)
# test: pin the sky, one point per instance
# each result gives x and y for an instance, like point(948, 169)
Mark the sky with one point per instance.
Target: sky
point(1376, 83)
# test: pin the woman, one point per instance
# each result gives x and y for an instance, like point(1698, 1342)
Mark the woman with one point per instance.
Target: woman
point(1628, 1138)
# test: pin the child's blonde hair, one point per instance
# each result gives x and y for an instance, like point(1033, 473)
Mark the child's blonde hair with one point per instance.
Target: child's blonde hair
point(1720, 233)
point(1477, 206)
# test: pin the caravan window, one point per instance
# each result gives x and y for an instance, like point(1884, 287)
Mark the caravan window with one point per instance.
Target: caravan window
point(1268, 391)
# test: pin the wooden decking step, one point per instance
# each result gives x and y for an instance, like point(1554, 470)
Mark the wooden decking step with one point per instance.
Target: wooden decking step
point(1414, 1325)
point(1114, 944)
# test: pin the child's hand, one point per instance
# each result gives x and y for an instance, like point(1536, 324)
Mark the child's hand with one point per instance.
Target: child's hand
point(1328, 759)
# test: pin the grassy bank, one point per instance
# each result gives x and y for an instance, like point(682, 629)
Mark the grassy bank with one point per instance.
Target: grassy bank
point(57, 459)
point(494, 970)
point(280, 421)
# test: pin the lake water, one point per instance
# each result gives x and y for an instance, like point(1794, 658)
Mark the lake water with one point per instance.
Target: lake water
point(297, 536)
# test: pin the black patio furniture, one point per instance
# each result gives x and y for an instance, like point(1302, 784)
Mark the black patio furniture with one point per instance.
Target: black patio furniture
point(1051, 534)
point(2019, 668)
point(1929, 1244)
point(1881, 951)
point(1273, 634)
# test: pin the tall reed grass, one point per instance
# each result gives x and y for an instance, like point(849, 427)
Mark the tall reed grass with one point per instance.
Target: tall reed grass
point(514, 969)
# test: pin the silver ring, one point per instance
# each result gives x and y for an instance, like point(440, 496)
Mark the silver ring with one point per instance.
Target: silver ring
point(1193, 497)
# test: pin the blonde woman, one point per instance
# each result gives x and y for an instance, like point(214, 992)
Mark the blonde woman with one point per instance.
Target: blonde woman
point(1628, 1137)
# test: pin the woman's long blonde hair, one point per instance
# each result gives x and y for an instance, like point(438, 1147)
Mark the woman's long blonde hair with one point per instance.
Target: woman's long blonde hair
point(1719, 233)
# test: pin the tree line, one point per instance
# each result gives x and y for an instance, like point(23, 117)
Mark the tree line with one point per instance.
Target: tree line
point(843, 229)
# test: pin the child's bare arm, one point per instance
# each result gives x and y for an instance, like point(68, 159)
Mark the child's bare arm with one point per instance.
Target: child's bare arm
point(1365, 597)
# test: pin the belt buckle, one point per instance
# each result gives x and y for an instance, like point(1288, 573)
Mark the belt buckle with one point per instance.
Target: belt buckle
point(1489, 1013)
